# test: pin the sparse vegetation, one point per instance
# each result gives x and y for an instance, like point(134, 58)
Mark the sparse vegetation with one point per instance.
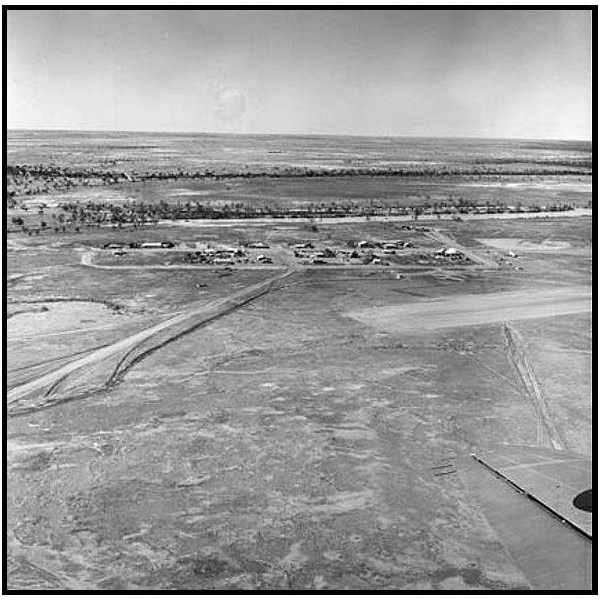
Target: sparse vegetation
point(232, 421)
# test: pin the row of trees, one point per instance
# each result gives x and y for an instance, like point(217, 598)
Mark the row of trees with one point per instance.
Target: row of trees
point(27, 180)
point(74, 216)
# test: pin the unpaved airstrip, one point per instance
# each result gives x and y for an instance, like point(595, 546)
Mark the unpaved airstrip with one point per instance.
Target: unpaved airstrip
point(467, 310)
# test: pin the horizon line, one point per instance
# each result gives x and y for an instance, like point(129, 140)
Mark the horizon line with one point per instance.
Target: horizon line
point(308, 134)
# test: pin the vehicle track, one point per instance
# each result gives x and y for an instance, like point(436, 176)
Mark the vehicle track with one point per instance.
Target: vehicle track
point(28, 373)
point(546, 429)
point(120, 356)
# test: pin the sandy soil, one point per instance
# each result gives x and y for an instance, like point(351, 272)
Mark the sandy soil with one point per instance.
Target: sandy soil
point(61, 317)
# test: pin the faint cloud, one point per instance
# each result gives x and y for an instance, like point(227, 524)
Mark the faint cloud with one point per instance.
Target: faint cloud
point(230, 105)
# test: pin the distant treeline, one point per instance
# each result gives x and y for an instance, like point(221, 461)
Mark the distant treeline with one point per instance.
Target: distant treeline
point(28, 180)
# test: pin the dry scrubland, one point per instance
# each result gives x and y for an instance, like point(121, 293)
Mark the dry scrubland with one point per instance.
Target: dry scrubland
point(294, 442)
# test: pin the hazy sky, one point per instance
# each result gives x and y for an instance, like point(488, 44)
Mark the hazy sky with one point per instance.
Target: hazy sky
point(415, 72)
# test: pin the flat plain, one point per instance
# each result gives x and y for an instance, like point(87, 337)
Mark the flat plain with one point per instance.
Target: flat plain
point(181, 421)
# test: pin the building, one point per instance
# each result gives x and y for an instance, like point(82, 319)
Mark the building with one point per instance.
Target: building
point(365, 244)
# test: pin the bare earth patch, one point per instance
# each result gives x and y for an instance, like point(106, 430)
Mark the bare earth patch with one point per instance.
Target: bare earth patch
point(519, 245)
point(463, 310)
point(62, 316)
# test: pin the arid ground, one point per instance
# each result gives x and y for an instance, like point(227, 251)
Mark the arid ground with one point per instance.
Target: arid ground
point(177, 425)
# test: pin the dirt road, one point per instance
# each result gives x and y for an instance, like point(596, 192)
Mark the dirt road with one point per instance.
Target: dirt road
point(578, 212)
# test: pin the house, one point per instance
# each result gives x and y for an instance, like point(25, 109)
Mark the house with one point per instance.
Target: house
point(264, 259)
point(260, 245)
point(365, 244)
point(326, 253)
point(151, 245)
point(452, 252)
point(303, 246)
point(225, 252)
point(113, 246)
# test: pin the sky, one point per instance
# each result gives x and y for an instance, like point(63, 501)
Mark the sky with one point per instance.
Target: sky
point(505, 73)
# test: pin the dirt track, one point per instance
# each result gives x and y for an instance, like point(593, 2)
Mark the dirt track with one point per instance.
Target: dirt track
point(546, 428)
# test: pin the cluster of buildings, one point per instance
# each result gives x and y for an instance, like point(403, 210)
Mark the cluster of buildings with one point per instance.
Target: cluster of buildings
point(366, 252)
point(120, 248)
point(363, 252)
point(227, 255)
point(389, 247)
point(307, 253)
point(216, 256)
point(203, 253)
point(142, 245)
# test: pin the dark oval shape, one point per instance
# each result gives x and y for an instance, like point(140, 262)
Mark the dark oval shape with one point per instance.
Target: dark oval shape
point(584, 501)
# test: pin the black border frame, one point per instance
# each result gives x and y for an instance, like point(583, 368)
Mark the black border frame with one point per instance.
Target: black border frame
point(594, 10)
